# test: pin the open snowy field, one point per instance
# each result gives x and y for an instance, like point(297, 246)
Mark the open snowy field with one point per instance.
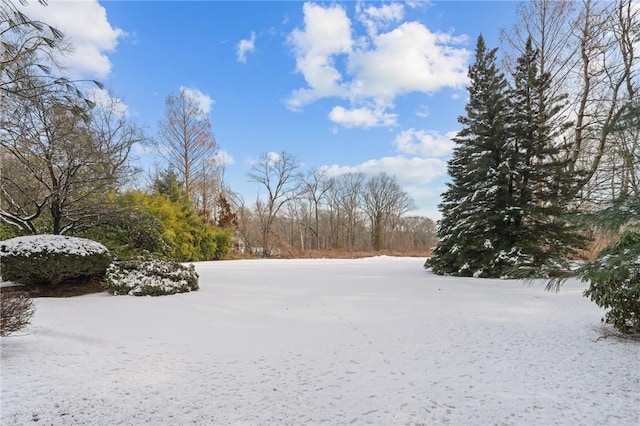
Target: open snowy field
point(303, 342)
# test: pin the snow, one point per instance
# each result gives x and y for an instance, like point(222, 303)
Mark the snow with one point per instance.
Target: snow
point(9, 284)
point(307, 342)
point(30, 244)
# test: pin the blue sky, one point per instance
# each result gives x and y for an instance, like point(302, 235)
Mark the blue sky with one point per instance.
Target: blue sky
point(350, 86)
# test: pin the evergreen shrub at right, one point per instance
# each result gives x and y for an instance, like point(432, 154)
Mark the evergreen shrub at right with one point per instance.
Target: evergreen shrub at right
point(614, 278)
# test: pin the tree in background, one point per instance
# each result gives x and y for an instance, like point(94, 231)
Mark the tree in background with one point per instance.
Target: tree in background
point(280, 176)
point(190, 149)
point(384, 202)
point(348, 195)
point(188, 236)
point(316, 185)
point(227, 218)
point(476, 199)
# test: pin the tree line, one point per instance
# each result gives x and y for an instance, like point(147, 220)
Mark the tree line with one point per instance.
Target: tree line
point(68, 168)
point(349, 212)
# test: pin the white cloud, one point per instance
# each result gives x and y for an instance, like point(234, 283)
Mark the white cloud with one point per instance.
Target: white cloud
point(408, 171)
point(223, 157)
point(326, 33)
point(104, 99)
point(203, 100)
point(87, 28)
point(245, 46)
point(427, 143)
point(273, 157)
point(375, 68)
point(409, 58)
point(375, 18)
point(362, 117)
point(269, 158)
point(427, 198)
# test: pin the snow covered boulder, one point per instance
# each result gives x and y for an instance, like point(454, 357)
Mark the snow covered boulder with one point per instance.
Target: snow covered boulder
point(150, 277)
point(51, 259)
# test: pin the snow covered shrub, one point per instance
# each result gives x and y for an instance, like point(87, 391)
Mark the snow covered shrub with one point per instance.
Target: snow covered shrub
point(51, 259)
point(16, 310)
point(150, 277)
point(614, 278)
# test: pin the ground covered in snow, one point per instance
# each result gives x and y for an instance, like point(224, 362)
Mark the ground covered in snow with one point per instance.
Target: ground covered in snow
point(295, 342)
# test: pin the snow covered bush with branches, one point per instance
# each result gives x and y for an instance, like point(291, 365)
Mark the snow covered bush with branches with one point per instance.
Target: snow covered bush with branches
point(150, 277)
point(51, 259)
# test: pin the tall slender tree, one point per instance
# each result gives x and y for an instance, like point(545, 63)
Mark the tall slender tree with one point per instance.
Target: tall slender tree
point(472, 228)
point(316, 185)
point(188, 145)
point(540, 184)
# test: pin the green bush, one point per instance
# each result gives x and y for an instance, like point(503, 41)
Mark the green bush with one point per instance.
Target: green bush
point(224, 243)
point(130, 232)
point(182, 235)
point(51, 259)
point(150, 277)
point(614, 278)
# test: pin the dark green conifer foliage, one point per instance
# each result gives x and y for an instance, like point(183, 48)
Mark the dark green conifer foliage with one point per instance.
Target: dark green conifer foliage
point(472, 227)
point(505, 206)
point(539, 183)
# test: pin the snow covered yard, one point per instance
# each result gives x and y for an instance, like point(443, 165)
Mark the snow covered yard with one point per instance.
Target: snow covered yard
point(294, 342)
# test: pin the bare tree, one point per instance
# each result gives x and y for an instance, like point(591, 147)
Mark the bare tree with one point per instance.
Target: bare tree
point(280, 176)
point(247, 228)
point(57, 162)
point(548, 24)
point(350, 192)
point(384, 201)
point(189, 147)
point(415, 233)
point(590, 50)
point(316, 186)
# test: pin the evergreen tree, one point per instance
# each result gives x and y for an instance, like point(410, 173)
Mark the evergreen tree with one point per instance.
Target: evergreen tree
point(472, 228)
point(539, 183)
point(506, 205)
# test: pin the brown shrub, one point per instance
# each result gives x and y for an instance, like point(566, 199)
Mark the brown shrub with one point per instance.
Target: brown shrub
point(16, 310)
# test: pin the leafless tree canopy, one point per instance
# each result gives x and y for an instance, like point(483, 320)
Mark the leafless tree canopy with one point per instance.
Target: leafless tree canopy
point(279, 175)
point(190, 149)
point(590, 48)
point(384, 203)
point(58, 166)
point(348, 212)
